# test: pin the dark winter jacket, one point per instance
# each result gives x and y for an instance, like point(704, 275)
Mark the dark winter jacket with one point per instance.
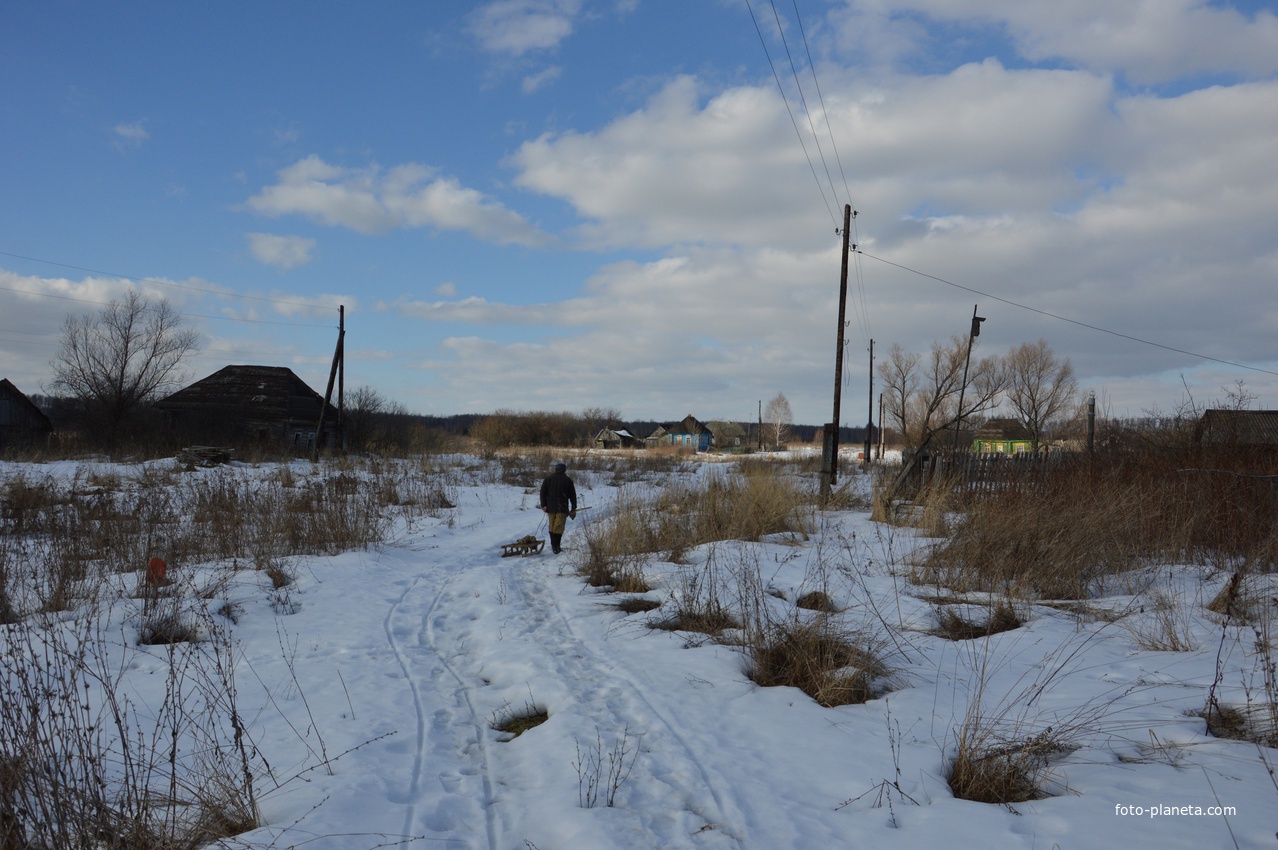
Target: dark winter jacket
point(558, 495)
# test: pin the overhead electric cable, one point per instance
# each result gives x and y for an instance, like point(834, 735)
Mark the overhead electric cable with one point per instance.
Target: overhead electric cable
point(793, 121)
point(794, 71)
point(1069, 320)
point(829, 128)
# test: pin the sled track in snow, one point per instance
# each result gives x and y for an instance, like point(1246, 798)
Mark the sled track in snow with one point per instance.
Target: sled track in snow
point(577, 661)
point(405, 619)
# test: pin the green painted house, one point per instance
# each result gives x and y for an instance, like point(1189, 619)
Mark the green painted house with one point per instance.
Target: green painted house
point(1003, 436)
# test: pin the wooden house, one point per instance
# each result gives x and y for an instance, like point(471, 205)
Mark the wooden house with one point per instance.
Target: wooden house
point(263, 404)
point(21, 422)
point(617, 437)
point(728, 435)
point(688, 432)
point(1238, 428)
point(1003, 436)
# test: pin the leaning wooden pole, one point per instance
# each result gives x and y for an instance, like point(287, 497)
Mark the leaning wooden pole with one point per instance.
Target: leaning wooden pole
point(332, 376)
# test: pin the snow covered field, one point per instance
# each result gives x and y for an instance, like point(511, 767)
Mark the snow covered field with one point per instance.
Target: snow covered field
point(375, 681)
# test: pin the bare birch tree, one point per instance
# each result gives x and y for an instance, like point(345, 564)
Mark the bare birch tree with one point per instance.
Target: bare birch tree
point(777, 419)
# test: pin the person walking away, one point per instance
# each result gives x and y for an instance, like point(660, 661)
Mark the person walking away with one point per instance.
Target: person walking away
point(559, 501)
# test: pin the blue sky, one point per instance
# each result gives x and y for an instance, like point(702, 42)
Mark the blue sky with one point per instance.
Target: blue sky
point(560, 204)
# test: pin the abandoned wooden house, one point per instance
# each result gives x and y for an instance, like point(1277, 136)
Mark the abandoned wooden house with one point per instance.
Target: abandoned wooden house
point(1238, 428)
point(22, 424)
point(262, 404)
point(617, 437)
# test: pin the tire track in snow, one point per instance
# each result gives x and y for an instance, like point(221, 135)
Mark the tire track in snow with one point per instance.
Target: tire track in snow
point(730, 818)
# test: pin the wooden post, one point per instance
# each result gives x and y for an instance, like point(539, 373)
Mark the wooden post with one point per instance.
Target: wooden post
point(838, 351)
point(332, 375)
point(869, 427)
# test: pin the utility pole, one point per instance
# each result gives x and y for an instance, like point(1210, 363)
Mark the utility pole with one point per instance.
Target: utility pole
point(1091, 423)
point(339, 358)
point(831, 465)
point(869, 428)
point(341, 379)
point(973, 334)
point(880, 449)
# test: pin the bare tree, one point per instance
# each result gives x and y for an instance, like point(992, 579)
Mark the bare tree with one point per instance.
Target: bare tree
point(899, 376)
point(777, 419)
point(370, 417)
point(923, 397)
point(1040, 387)
point(121, 359)
point(595, 419)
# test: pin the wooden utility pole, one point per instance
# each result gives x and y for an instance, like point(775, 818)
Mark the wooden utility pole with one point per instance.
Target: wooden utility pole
point(338, 361)
point(832, 432)
point(973, 334)
point(869, 427)
point(341, 379)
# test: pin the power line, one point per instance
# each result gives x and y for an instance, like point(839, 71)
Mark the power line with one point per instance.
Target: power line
point(793, 121)
point(821, 99)
point(794, 71)
point(1067, 319)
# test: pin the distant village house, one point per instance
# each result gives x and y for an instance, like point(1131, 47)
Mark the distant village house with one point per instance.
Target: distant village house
point(1003, 436)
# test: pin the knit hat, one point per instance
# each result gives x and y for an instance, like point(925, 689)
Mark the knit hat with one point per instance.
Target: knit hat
point(560, 466)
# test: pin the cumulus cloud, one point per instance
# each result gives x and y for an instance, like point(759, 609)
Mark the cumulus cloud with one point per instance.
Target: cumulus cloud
point(283, 252)
point(730, 170)
point(374, 200)
point(1149, 41)
point(516, 27)
point(1056, 192)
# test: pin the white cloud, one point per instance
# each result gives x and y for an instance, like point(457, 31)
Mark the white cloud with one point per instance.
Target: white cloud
point(517, 27)
point(373, 200)
point(448, 289)
point(1150, 41)
point(1149, 216)
point(130, 135)
point(284, 252)
point(535, 82)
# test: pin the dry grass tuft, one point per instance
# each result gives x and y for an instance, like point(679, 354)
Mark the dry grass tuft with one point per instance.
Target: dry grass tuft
point(1254, 722)
point(819, 657)
point(637, 605)
point(516, 723)
point(816, 600)
point(957, 623)
point(990, 770)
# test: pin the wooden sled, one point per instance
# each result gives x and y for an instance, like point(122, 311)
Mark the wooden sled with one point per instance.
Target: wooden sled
point(528, 545)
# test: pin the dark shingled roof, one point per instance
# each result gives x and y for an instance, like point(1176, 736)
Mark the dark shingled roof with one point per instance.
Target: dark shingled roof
point(1239, 427)
point(251, 394)
point(19, 412)
point(1004, 429)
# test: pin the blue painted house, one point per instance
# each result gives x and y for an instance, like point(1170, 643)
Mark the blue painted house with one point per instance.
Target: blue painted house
point(688, 432)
